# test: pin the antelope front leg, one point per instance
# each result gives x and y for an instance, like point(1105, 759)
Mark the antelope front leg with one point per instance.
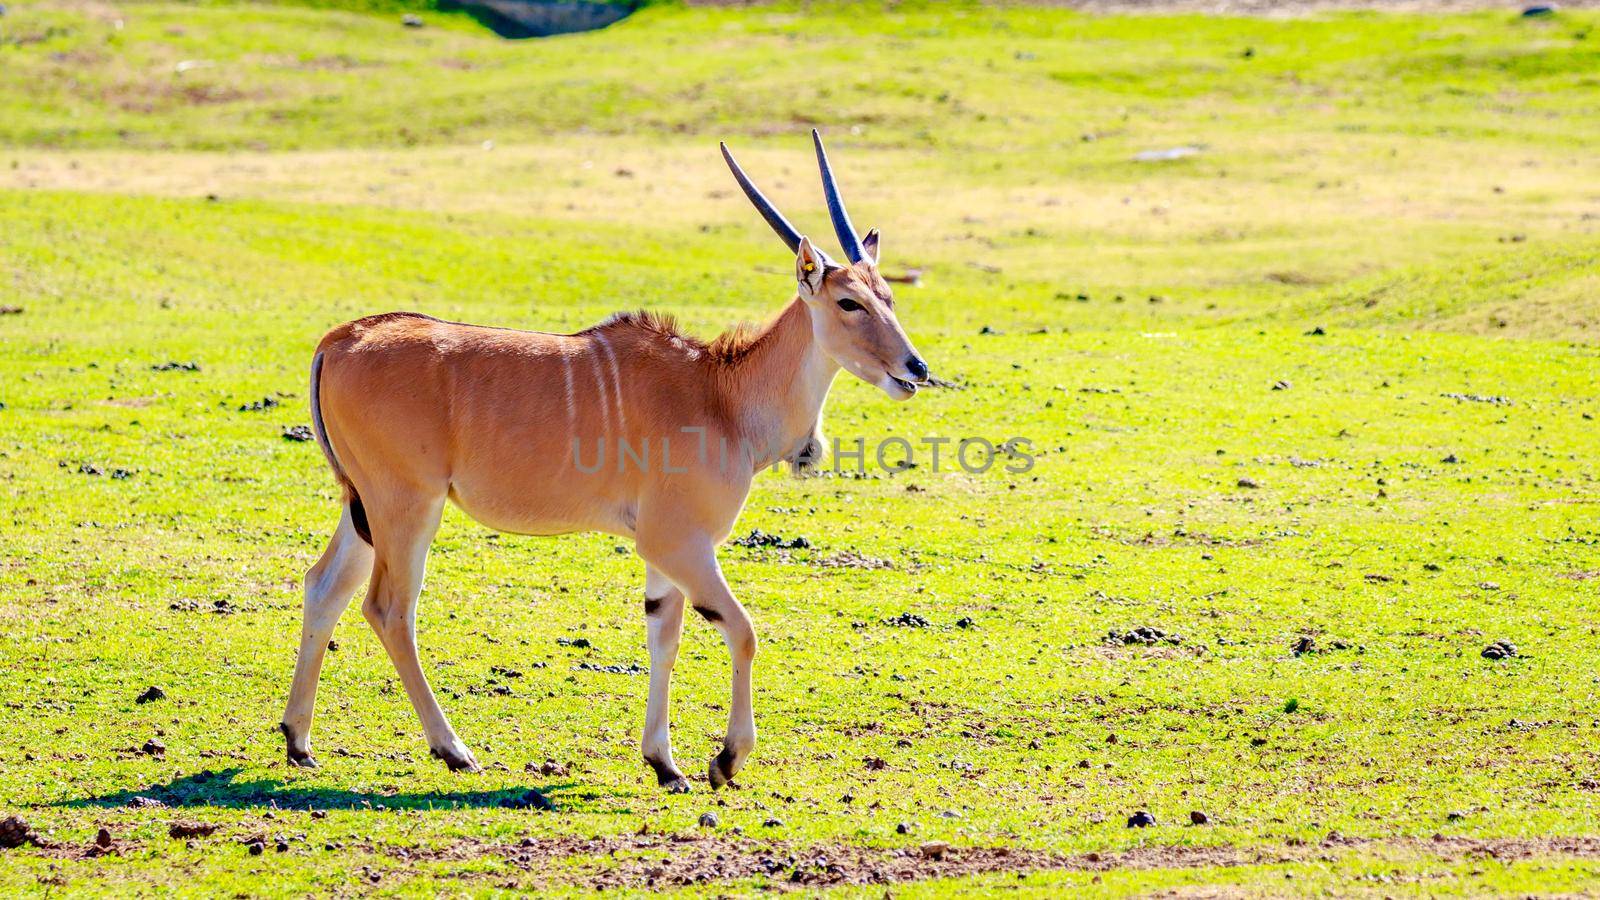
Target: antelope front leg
point(695, 570)
point(663, 611)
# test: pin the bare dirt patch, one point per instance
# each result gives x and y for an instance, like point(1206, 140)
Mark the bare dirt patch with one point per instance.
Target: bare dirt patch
point(686, 860)
point(1179, 538)
point(690, 859)
point(147, 97)
point(649, 861)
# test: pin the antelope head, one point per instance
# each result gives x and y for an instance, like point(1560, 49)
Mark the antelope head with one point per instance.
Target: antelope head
point(851, 307)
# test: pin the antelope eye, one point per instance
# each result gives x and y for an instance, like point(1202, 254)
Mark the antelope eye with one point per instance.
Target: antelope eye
point(849, 305)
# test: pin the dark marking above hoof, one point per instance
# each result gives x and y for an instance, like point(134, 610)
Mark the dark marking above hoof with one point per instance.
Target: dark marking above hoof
point(456, 761)
point(669, 777)
point(710, 614)
point(298, 758)
point(720, 771)
point(651, 604)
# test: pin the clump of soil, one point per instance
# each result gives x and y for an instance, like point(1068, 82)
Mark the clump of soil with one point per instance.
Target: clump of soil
point(172, 366)
point(103, 845)
point(614, 668)
point(90, 468)
point(849, 559)
point(1494, 399)
point(259, 405)
point(1500, 650)
point(150, 695)
point(1144, 635)
point(15, 832)
point(759, 538)
point(908, 620)
point(220, 606)
point(181, 830)
point(297, 433)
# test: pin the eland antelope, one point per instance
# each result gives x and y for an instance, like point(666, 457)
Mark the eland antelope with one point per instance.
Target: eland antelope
point(411, 411)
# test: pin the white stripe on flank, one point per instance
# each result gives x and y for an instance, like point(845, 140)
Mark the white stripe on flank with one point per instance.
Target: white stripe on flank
point(600, 385)
point(616, 380)
point(572, 401)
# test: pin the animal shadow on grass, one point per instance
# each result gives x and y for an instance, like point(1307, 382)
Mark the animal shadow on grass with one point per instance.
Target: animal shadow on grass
point(223, 789)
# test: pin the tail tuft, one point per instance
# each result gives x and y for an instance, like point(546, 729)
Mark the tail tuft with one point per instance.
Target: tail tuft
point(358, 517)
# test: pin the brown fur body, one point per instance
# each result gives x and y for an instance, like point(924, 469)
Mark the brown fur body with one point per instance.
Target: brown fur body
point(412, 403)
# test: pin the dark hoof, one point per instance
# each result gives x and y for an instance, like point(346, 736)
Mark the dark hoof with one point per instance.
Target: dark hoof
point(669, 777)
point(298, 758)
point(720, 771)
point(459, 760)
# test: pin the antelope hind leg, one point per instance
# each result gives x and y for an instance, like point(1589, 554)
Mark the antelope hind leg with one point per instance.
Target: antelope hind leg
point(329, 585)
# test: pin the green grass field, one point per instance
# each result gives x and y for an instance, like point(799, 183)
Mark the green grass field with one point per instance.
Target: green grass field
point(1373, 293)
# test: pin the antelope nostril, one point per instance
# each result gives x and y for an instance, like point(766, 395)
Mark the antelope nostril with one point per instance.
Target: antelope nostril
point(917, 368)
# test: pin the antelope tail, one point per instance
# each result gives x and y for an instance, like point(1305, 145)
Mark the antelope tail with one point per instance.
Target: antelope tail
point(358, 512)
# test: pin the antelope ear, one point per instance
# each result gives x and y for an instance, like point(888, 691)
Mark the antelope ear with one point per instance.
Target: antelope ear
point(809, 266)
point(870, 244)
